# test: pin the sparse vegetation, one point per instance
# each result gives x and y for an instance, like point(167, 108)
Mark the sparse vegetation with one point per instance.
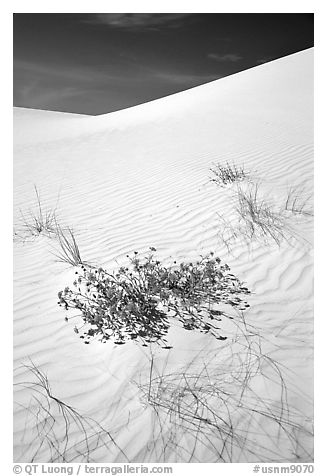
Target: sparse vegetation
point(253, 217)
point(213, 404)
point(226, 174)
point(138, 302)
point(69, 251)
point(217, 405)
point(259, 217)
point(39, 221)
point(60, 433)
point(297, 201)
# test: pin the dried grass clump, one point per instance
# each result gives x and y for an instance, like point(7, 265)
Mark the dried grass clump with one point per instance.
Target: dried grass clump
point(258, 217)
point(226, 174)
point(39, 221)
point(69, 250)
point(138, 302)
point(255, 217)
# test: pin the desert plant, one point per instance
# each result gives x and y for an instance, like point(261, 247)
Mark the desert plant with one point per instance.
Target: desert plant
point(69, 251)
point(297, 201)
point(59, 432)
point(40, 220)
point(214, 405)
point(138, 302)
point(259, 218)
point(225, 174)
point(255, 217)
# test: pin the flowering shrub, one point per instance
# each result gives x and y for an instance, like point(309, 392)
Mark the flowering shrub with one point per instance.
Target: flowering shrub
point(138, 302)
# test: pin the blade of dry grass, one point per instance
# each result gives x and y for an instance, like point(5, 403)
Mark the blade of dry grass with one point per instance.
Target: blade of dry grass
point(62, 434)
point(69, 250)
point(297, 201)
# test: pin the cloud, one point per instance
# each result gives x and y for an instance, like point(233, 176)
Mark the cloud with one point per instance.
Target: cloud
point(34, 93)
point(229, 57)
point(47, 98)
point(135, 21)
point(266, 59)
point(58, 72)
point(50, 86)
point(77, 88)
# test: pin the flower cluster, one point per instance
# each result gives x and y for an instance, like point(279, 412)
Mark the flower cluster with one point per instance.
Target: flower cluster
point(137, 302)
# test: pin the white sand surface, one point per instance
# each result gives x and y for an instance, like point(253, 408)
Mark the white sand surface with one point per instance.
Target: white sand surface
point(137, 178)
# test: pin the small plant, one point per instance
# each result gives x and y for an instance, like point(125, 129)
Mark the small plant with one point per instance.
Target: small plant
point(137, 302)
point(69, 250)
point(226, 174)
point(258, 216)
point(297, 202)
point(39, 221)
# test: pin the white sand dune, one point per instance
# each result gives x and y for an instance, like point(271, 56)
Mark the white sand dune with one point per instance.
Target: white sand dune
point(140, 177)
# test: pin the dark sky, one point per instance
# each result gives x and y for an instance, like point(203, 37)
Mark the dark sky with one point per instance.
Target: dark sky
point(95, 63)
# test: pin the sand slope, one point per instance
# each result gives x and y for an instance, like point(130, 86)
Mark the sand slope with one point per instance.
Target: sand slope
point(140, 177)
